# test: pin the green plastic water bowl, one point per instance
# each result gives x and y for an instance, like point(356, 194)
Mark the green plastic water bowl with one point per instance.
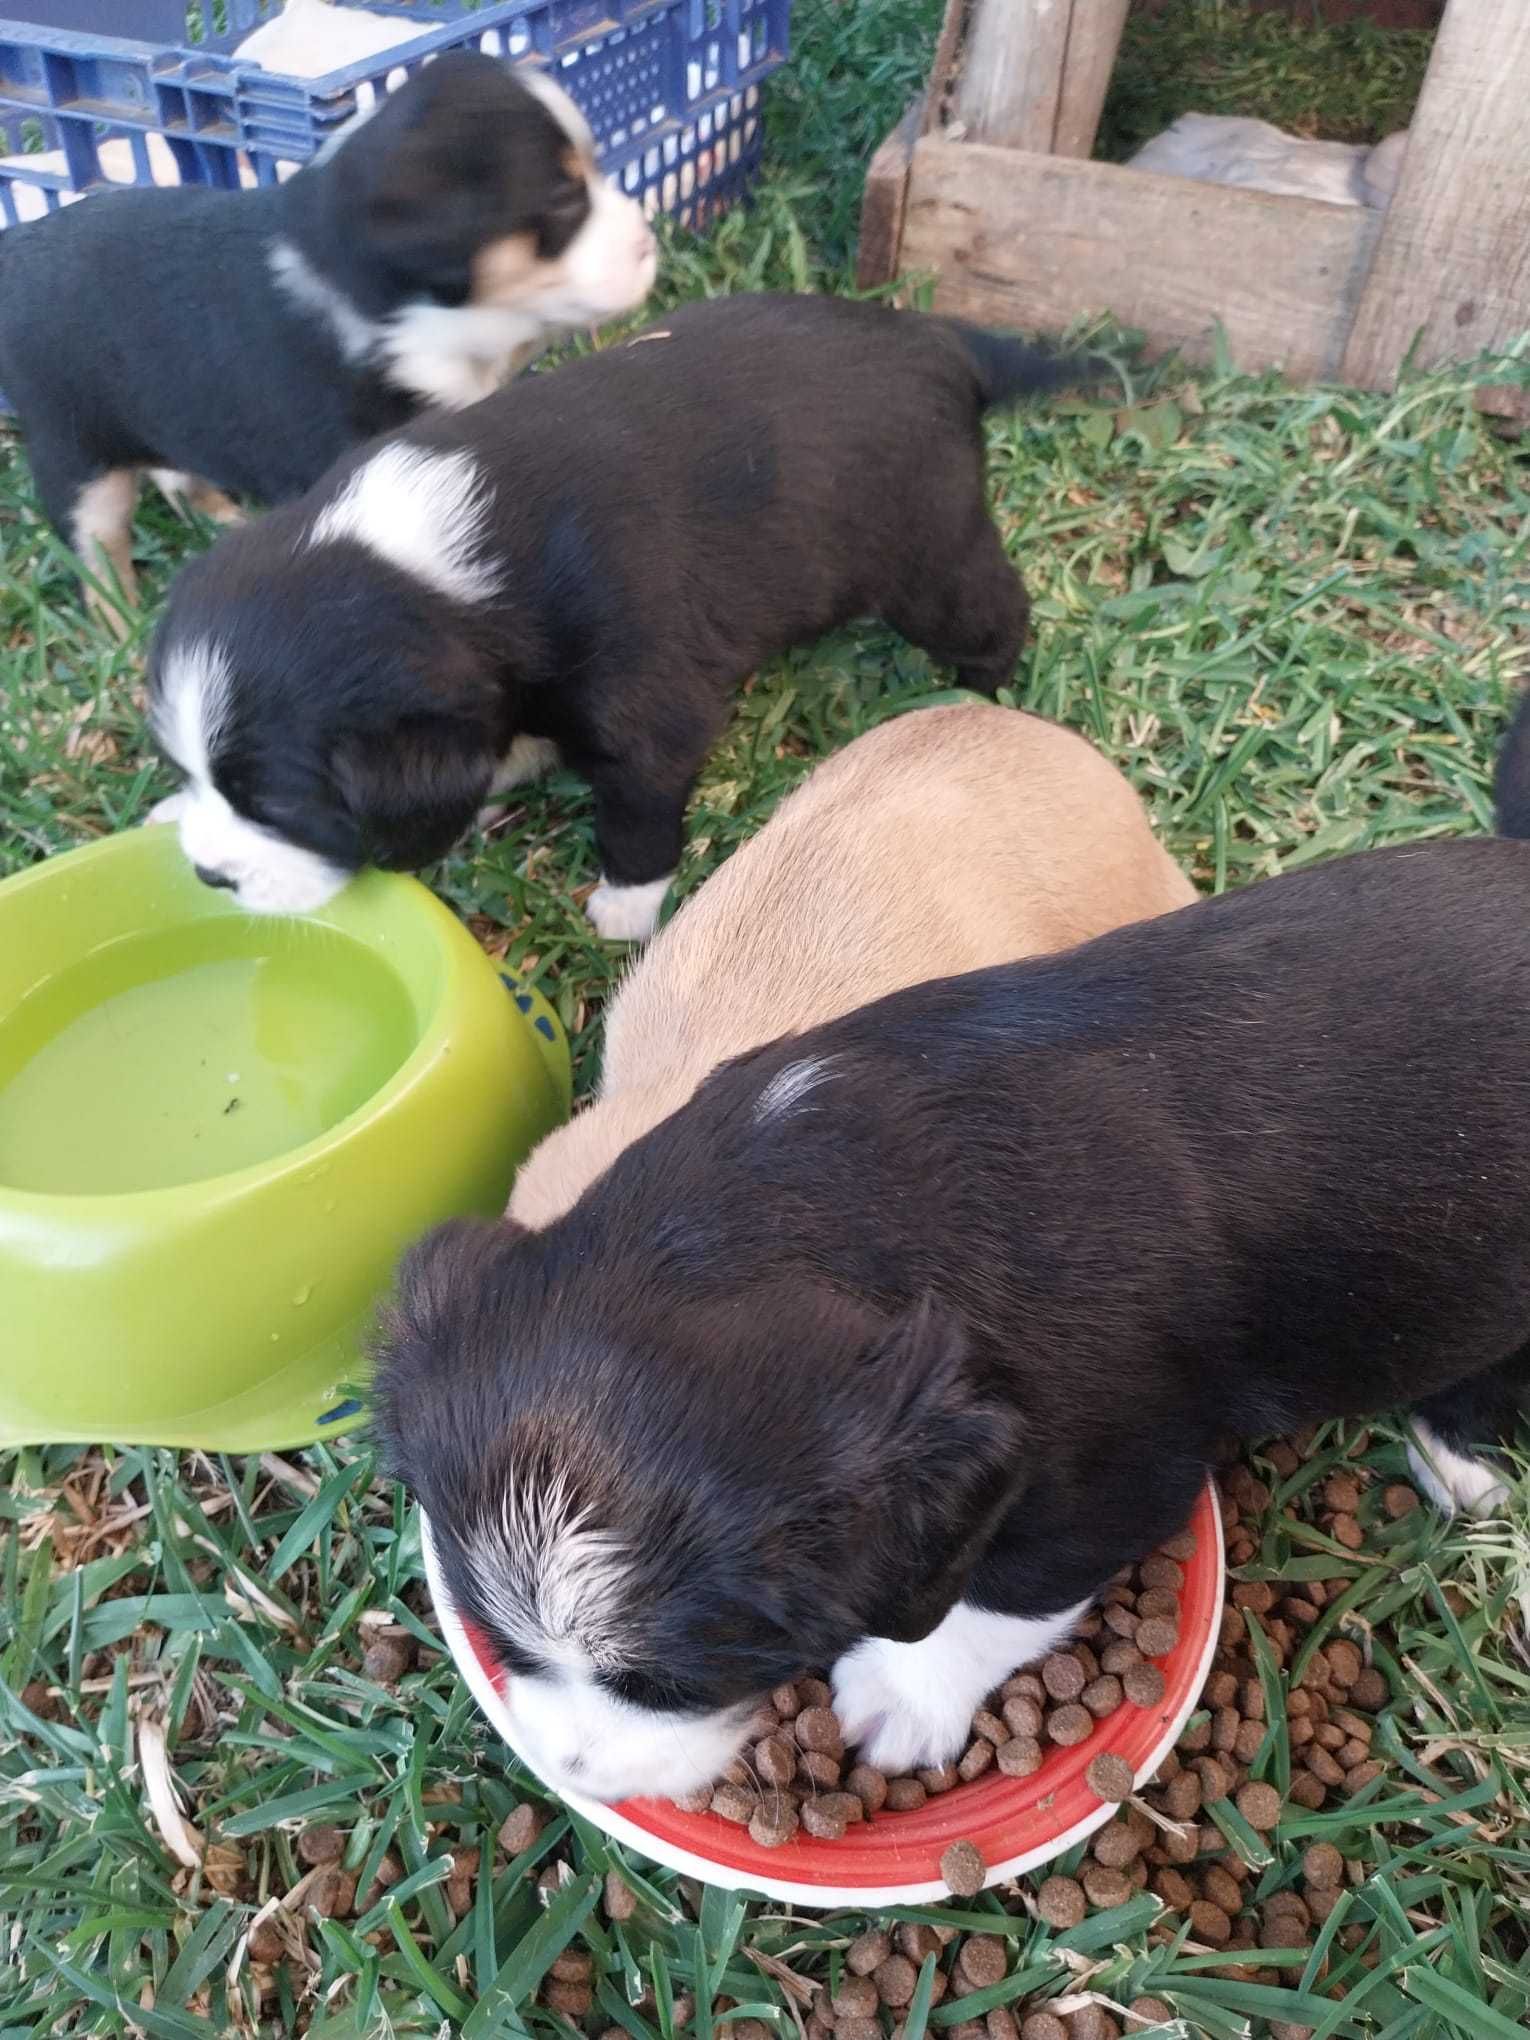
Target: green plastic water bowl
point(218, 1131)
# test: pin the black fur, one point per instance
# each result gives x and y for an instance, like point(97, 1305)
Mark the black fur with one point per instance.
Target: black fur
point(145, 328)
point(971, 1318)
point(667, 514)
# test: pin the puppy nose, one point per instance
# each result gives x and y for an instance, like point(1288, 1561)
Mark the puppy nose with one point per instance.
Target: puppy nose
point(218, 880)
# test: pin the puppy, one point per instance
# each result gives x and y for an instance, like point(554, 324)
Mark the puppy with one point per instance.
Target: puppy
point(892, 1344)
point(431, 249)
point(939, 842)
point(585, 566)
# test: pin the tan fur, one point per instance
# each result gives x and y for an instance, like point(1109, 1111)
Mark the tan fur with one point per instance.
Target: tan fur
point(503, 269)
point(102, 532)
point(944, 841)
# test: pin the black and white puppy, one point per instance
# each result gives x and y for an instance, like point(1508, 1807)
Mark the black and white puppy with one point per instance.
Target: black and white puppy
point(887, 1349)
point(248, 338)
point(585, 566)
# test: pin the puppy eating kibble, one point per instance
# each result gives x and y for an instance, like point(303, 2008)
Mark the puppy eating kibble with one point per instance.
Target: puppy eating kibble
point(891, 1345)
point(939, 842)
point(248, 338)
point(944, 840)
point(585, 566)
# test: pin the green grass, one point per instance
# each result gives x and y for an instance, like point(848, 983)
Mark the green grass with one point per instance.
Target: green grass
point(1347, 83)
point(1294, 617)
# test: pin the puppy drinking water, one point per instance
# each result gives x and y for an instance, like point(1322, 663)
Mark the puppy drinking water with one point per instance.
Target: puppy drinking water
point(247, 338)
point(892, 1344)
point(942, 841)
point(584, 566)
point(947, 839)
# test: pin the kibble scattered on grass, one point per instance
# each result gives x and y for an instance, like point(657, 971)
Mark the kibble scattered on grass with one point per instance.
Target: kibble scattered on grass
point(1062, 1903)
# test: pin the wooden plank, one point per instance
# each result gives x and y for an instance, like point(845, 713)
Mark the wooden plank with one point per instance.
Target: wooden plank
point(1011, 71)
point(1094, 37)
point(944, 66)
point(877, 259)
point(1036, 241)
point(1453, 268)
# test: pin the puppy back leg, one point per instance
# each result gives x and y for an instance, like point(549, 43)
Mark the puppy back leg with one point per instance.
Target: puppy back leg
point(101, 529)
point(1454, 1434)
point(969, 611)
point(185, 492)
point(91, 507)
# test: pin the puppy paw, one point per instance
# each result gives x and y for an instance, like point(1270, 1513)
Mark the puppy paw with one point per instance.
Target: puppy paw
point(527, 758)
point(627, 913)
point(909, 1705)
point(170, 809)
point(1456, 1482)
point(899, 1705)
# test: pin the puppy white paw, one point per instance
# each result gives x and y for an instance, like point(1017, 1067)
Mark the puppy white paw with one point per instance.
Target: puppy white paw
point(900, 1706)
point(527, 758)
point(170, 809)
point(908, 1705)
point(627, 913)
point(1455, 1481)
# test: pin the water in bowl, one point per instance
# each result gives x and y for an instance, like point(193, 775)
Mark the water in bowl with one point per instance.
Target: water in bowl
point(172, 1057)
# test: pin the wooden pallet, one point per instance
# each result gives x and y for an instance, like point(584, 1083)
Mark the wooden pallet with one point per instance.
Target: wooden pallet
point(987, 185)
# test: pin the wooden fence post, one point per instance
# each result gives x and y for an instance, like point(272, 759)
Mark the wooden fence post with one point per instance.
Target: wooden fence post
point(1035, 72)
point(1452, 268)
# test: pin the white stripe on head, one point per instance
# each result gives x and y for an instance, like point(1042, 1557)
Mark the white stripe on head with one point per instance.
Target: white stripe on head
point(552, 1582)
point(423, 512)
point(555, 1587)
point(266, 874)
point(191, 703)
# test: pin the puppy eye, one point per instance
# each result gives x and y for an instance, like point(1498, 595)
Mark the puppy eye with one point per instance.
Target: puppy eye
point(653, 1691)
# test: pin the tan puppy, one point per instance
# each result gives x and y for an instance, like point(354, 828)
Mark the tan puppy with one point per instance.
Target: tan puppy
point(941, 842)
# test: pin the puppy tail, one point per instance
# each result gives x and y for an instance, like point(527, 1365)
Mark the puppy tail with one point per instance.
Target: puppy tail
point(1009, 369)
point(1511, 778)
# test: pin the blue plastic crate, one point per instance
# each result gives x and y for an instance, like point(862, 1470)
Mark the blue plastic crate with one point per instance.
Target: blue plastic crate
point(97, 92)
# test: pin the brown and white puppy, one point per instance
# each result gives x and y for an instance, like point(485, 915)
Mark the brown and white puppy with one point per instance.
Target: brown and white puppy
point(940, 842)
point(438, 242)
point(943, 841)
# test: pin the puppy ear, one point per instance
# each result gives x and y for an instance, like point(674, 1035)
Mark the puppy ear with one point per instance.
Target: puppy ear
point(422, 235)
point(417, 1350)
point(943, 1459)
point(413, 787)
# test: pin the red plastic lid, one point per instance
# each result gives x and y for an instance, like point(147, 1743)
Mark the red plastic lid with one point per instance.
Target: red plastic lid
point(1015, 1823)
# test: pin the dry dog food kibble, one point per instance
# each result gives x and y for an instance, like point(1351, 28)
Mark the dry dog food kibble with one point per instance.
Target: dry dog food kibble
point(1110, 1776)
point(1160, 1839)
point(796, 1776)
point(963, 1869)
point(1062, 1903)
